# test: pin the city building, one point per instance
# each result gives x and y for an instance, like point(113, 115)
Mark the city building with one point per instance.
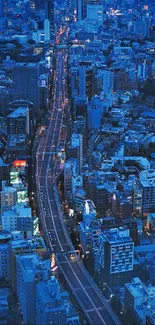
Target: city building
point(70, 170)
point(49, 8)
point(4, 305)
point(8, 197)
point(151, 222)
point(20, 218)
point(86, 235)
point(49, 305)
point(115, 255)
point(2, 8)
point(86, 73)
point(93, 117)
point(19, 246)
point(147, 182)
point(18, 121)
point(4, 170)
point(79, 199)
point(139, 300)
point(17, 146)
point(75, 149)
point(25, 83)
point(30, 270)
point(14, 105)
point(80, 106)
point(47, 29)
point(4, 261)
point(95, 11)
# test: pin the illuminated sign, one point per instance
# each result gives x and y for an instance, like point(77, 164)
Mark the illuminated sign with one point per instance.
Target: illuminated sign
point(19, 163)
point(35, 226)
point(87, 207)
point(71, 212)
point(14, 178)
point(114, 197)
point(43, 81)
point(22, 196)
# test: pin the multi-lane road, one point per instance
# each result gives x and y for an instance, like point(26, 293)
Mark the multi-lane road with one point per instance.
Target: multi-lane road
point(49, 165)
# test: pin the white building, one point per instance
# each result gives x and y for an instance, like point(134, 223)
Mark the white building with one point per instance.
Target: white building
point(20, 218)
point(8, 197)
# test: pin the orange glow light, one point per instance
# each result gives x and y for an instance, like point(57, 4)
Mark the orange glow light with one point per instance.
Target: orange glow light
point(19, 163)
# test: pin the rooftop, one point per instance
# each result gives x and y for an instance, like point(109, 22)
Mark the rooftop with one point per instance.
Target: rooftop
point(27, 244)
point(19, 112)
point(117, 235)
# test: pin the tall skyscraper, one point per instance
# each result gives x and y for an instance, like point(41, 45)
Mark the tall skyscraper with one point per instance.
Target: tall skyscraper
point(25, 83)
point(49, 6)
point(86, 79)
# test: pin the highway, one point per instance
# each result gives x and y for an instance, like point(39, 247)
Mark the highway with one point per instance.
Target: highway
point(49, 165)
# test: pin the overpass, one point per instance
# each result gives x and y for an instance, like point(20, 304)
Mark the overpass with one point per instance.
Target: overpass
point(48, 168)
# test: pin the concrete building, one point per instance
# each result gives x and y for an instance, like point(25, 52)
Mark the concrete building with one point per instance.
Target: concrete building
point(80, 127)
point(47, 30)
point(4, 306)
point(86, 73)
point(86, 235)
point(108, 82)
point(70, 170)
point(18, 121)
point(14, 105)
point(49, 305)
point(139, 300)
point(95, 11)
point(2, 8)
point(4, 170)
point(93, 117)
point(20, 247)
point(79, 199)
point(80, 106)
point(30, 270)
point(147, 182)
point(115, 254)
point(8, 197)
point(89, 212)
point(75, 150)
point(20, 218)
point(49, 8)
point(4, 261)
point(151, 222)
point(25, 83)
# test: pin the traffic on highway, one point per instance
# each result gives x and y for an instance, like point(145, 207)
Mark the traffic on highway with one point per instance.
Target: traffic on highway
point(49, 166)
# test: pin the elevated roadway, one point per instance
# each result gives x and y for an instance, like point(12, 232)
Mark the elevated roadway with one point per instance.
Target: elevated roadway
point(48, 168)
